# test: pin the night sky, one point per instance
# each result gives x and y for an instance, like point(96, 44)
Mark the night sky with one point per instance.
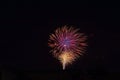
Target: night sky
point(24, 34)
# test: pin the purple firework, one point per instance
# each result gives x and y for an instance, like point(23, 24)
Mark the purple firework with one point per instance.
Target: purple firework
point(67, 40)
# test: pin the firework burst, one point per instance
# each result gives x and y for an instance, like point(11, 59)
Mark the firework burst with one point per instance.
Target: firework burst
point(67, 44)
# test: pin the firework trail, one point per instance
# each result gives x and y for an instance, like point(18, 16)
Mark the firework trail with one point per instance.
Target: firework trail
point(67, 44)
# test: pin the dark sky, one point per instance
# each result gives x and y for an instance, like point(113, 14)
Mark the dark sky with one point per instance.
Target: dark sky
point(24, 32)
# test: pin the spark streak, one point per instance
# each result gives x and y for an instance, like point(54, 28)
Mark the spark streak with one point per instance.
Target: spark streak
point(66, 58)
